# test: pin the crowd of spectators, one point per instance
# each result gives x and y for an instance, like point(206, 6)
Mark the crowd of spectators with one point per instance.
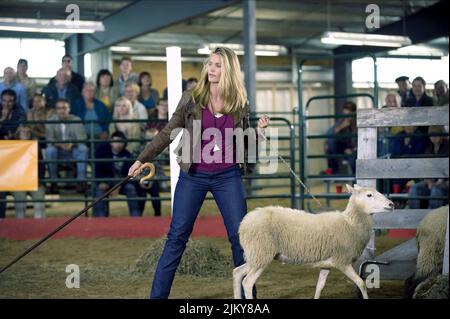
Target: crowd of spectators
point(396, 142)
point(127, 108)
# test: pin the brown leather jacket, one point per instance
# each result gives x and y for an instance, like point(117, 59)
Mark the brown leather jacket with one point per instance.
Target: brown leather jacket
point(186, 112)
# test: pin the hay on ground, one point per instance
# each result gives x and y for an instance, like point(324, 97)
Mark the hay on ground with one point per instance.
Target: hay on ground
point(200, 259)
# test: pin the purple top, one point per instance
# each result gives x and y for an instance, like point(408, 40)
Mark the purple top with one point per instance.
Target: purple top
point(216, 156)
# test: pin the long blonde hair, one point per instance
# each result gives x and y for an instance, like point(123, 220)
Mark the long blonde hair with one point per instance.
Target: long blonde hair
point(231, 85)
point(127, 102)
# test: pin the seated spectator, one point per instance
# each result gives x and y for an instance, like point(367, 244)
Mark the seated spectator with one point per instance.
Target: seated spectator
point(58, 149)
point(88, 108)
point(106, 92)
point(24, 133)
point(392, 100)
point(22, 76)
point(127, 75)
point(411, 141)
point(11, 113)
point(419, 96)
point(344, 144)
point(148, 96)
point(404, 89)
point(115, 169)
point(61, 88)
point(154, 187)
point(75, 78)
point(191, 83)
point(10, 82)
point(123, 110)
point(440, 93)
point(132, 93)
point(432, 187)
point(39, 112)
point(183, 88)
point(159, 116)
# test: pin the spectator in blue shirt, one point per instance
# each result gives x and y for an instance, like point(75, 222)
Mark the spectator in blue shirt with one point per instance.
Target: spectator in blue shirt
point(61, 88)
point(148, 96)
point(127, 75)
point(10, 82)
point(88, 108)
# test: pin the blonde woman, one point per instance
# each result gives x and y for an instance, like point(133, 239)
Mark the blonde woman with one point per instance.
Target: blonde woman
point(123, 110)
point(219, 102)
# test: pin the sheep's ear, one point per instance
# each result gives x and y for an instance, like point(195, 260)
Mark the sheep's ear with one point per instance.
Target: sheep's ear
point(356, 187)
point(349, 188)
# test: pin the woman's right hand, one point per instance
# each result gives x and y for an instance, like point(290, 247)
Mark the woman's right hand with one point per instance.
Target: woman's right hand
point(135, 169)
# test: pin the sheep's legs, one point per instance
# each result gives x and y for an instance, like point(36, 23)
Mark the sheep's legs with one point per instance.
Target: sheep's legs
point(353, 276)
point(250, 280)
point(238, 274)
point(321, 283)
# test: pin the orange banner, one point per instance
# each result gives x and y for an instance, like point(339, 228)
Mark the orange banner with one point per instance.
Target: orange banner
point(18, 165)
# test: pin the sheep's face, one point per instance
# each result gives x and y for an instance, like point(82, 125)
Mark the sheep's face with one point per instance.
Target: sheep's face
point(370, 200)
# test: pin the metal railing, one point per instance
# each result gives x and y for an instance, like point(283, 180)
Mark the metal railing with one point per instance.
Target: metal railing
point(91, 180)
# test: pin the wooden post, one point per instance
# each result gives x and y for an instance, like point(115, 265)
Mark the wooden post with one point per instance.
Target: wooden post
point(367, 149)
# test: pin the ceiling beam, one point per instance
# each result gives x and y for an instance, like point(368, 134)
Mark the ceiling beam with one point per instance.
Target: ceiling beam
point(146, 16)
point(388, 8)
point(422, 26)
point(56, 9)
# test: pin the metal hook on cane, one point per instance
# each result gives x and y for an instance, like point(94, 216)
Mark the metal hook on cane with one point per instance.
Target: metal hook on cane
point(148, 176)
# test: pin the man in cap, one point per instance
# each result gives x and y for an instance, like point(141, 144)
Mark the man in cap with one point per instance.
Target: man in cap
point(404, 88)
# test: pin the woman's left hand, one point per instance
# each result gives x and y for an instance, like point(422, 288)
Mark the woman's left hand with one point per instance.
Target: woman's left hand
point(263, 121)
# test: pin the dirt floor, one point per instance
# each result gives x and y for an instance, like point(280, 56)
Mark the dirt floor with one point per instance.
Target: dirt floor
point(106, 264)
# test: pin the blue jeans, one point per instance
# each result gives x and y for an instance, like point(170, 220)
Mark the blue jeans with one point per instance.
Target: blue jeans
point(228, 192)
point(421, 189)
point(129, 190)
point(79, 153)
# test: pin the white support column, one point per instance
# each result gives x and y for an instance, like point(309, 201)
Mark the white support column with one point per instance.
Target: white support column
point(174, 91)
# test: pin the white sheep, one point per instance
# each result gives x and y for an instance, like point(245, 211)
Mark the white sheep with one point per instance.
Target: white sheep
point(326, 240)
point(430, 244)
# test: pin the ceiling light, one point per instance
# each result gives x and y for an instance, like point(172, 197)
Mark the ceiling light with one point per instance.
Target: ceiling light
point(346, 38)
point(50, 26)
point(120, 49)
point(260, 49)
point(418, 50)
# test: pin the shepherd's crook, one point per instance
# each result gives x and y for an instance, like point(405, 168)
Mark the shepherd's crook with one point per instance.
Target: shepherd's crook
point(126, 179)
